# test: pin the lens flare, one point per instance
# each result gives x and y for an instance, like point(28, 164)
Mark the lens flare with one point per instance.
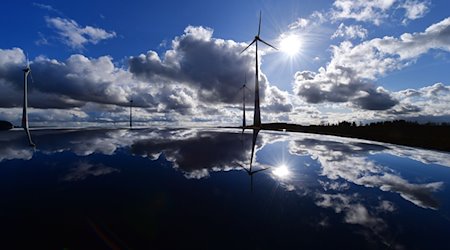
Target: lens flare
point(290, 44)
point(281, 171)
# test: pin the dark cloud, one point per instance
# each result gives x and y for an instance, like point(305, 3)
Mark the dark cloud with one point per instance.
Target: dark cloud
point(376, 100)
point(342, 85)
point(350, 75)
point(212, 67)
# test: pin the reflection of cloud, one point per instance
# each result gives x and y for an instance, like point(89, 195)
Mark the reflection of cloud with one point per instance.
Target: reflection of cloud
point(13, 146)
point(333, 185)
point(386, 206)
point(85, 169)
point(197, 155)
point(420, 155)
point(349, 161)
point(355, 213)
point(81, 142)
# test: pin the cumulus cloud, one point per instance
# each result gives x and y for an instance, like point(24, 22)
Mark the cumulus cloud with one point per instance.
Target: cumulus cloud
point(360, 10)
point(66, 84)
point(76, 36)
point(200, 76)
point(414, 9)
point(299, 23)
point(349, 75)
point(341, 85)
point(212, 67)
point(429, 102)
point(377, 11)
point(352, 31)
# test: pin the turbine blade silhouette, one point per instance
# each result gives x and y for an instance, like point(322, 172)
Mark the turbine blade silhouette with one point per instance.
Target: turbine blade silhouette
point(254, 40)
point(31, 77)
point(259, 26)
point(267, 43)
point(28, 61)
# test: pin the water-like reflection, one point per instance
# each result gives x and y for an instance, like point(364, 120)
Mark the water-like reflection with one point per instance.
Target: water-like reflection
point(344, 181)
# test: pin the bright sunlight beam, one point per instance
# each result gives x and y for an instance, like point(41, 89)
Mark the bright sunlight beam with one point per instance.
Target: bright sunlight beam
point(290, 44)
point(281, 172)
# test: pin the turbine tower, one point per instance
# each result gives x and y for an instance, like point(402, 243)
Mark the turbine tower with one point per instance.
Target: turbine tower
point(131, 113)
point(257, 114)
point(243, 101)
point(26, 72)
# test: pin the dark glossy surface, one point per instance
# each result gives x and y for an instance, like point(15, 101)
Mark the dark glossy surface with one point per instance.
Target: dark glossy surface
point(186, 188)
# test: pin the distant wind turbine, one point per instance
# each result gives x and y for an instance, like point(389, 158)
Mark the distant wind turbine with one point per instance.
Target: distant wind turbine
point(26, 72)
point(243, 101)
point(257, 114)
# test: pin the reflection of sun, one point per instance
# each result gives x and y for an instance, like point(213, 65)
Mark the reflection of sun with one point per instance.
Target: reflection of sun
point(290, 44)
point(281, 171)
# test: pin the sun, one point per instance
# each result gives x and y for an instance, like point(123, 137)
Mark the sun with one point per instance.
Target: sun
point(290, 44)
point(281, 172)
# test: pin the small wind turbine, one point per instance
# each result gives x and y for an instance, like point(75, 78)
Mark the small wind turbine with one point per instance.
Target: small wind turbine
point(131, 113)
point(243, 101)
point(257, 114)
point(26, 72)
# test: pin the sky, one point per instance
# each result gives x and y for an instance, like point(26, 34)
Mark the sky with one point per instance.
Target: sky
point(181, 62)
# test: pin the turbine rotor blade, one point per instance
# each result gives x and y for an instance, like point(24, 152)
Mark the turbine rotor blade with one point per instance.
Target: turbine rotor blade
point(267, 43)
point(28, 61)
point(254, 40)
point(259, 26)
point(31, 77)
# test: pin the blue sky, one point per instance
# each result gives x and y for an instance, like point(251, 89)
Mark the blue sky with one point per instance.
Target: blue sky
point(354, 61)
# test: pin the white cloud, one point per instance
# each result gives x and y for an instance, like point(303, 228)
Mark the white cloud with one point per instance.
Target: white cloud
point(75, 36)
point(377, 11)
point(299, 23)
point(428, 102)
point(414, 9)
point(352, 31)
point(361, 10)
point(47, 7)
point(350, 74)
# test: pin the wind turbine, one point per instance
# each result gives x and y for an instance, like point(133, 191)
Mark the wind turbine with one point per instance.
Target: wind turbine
point(243, 101)
point(257, 114)
point(26, 72)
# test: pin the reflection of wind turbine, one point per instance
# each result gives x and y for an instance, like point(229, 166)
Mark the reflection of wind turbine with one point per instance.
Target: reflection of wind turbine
point(250, 171)
point(257, 114)
point(26, 72)
point(131, 113)
point(243, 102)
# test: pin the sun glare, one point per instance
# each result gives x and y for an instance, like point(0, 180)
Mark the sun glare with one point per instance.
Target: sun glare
point(281, 171)
point(290, 44)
